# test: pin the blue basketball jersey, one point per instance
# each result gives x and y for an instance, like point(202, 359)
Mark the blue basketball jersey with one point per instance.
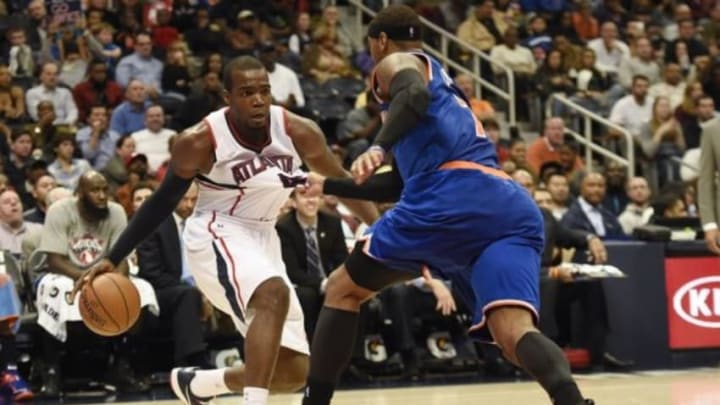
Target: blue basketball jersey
point(450, 131)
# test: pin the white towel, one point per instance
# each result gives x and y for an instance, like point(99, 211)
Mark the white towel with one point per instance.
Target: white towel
point(54, 309)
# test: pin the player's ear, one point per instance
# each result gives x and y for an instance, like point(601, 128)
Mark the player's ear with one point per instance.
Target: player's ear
point(226, 96)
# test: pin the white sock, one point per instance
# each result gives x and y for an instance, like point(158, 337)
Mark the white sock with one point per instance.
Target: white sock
point(255, 396)
point(209, 383)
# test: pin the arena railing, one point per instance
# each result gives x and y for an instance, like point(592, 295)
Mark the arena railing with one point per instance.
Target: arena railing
point(447, 40)
point(588, 117)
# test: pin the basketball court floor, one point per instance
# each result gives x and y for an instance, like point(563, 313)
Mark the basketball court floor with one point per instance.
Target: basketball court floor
point(688, 387)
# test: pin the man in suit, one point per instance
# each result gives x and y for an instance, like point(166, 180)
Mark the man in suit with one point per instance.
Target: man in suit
point(588, 214)
point(161, 262)
point(313, 245)
point(708, 191)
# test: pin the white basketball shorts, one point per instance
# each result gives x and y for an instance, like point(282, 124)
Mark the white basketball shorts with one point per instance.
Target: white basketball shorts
point(229, 259)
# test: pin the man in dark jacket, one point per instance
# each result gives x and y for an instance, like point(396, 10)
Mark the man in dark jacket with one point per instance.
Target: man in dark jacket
point(313, 245)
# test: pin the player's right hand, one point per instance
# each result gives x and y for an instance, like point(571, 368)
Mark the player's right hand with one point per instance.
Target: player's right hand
point(366, 164)
point(103, 266)
point(711, 239)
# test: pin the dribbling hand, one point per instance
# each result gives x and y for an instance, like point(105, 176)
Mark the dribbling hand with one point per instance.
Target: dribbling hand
point(103, 266)
point(365, 164)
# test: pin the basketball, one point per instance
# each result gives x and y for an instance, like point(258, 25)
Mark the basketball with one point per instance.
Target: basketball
point(110, 305)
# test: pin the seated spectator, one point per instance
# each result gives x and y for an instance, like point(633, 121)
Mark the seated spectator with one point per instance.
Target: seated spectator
point(301, 37)
point(153, 140)
point(588, 214)
point(163, 33)
point(517, 158)
point(693, 114)
point(616, 197)
point(584, 23)
point(357, 131)
point(481, 108)
point(544, 148)
point(213, 62)
point(48, 89)
point(313, 246)
point(610, 51)
point(45, 131)
point(20, 55)
point(142, 66)
point(74, 66)
point(284, 83)
point(634, 110)
point(662, 144)
point(553, 77)
point(323, 62)
point(19, 159)
point(250, 31)
point(115, 170)
point(686, 34)
point(140, 193)
point(96, 140)
point(559, 188)
point(200, 104)
point(66, 169)
point(669, 206)
point(205, 38)
point(76, 234)
point(162, 262)
point(129, 116)
point(641, 63)
point(176, 79)
point(525, 179)
point(330, 25)
point(537, 36)
point(492, 130)
point(638, 211)
point(12, 98)
point(13, 227)
point(102, 47)
point(483, 28)
point(518, 58)
point(137, 168)
point(96, 89)
point(672, 87)
point(594, 89)
point(40, 186)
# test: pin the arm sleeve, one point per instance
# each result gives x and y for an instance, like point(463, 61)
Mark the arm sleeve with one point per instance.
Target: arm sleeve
point(409, 100)
point(150, 215)
point(707, 189)
point(383, 187)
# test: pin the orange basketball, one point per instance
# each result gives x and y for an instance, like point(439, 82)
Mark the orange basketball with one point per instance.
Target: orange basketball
point(110, 305)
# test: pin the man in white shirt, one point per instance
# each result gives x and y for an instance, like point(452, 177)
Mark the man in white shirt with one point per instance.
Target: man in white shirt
point(284, 83)
point(638, 211)
point(66, 111)
point(609, 50)
point(643, 63)
point(153, 140)
point(518, 58)
point(635, 109)
point(672, 86)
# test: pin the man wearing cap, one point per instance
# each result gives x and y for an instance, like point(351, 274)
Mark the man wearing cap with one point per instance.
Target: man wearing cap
point(244, 39)
point(284, 83)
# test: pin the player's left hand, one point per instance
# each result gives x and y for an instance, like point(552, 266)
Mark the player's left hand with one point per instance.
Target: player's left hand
point(366, 164)
point(597, 249)
point(445, 300)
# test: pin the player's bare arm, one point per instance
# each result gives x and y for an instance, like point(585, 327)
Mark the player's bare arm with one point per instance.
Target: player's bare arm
point(400, 79)
point(312, 147)
point(193, 152)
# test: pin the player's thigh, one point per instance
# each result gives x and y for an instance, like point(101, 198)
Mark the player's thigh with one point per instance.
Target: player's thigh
point(506, 275)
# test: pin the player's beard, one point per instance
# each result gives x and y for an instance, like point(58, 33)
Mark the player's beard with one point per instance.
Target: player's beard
point(92, 211)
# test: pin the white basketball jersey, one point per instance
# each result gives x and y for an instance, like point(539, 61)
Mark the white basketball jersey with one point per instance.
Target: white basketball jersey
point(246, 184)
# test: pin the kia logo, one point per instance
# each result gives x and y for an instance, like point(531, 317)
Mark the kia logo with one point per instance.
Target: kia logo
point(698, 302)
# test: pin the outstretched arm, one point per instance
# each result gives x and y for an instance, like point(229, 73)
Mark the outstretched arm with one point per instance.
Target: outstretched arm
point(313, 149)
point(380, 187)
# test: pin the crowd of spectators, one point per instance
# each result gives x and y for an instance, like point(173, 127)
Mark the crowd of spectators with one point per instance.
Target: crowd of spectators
point(90, 108)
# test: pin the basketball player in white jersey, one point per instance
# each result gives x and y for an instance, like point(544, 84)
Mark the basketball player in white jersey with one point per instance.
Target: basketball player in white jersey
point(245, 159)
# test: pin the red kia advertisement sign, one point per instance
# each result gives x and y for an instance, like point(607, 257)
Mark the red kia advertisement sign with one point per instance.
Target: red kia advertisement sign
point(693, 299)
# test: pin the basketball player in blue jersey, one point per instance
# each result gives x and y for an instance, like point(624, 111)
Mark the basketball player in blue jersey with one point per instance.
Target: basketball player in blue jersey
point(245, 159)
point(457, 214)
